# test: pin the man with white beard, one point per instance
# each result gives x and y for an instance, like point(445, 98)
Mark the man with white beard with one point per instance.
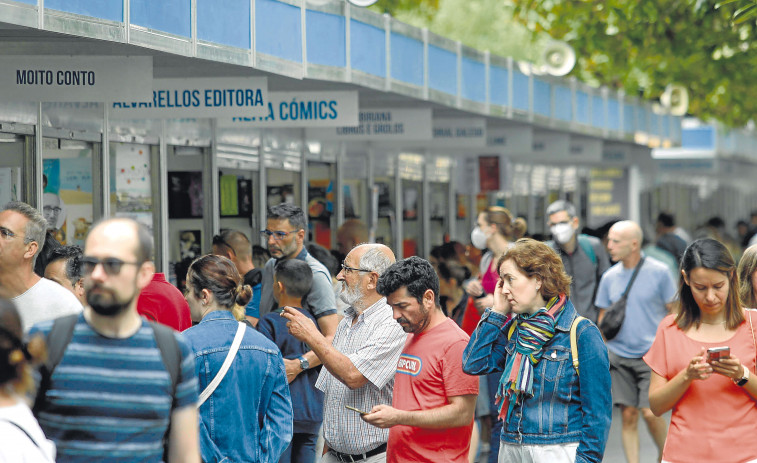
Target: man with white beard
point(360, 363)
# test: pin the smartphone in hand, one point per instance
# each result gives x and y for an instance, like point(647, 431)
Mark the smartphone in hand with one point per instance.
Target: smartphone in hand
point(355, 410)
point(718, 353)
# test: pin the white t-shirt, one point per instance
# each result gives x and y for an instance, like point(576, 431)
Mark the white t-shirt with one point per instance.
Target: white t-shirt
point(15, 445)
point(46, 300)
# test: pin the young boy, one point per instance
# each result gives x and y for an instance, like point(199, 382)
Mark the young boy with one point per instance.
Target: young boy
point(292, 280)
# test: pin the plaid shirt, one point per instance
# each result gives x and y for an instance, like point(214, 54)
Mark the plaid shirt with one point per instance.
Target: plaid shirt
point(373, 345)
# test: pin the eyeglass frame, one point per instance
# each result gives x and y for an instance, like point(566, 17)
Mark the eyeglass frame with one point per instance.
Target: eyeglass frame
point(106, 263)
point(218, 239)
point(277, 235)
point(348, 270)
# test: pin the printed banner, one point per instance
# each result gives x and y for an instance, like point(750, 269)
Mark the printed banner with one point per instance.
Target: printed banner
point(462, 132)
point(382, 124)
point(302, 109)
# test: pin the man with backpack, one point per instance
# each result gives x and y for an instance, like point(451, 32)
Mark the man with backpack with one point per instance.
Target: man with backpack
point(583, 256)
point(116, 387)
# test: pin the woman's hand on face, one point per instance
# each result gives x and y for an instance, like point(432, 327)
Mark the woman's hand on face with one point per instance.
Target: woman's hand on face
point(698, 368)
point(500, 303)
point(730, 367)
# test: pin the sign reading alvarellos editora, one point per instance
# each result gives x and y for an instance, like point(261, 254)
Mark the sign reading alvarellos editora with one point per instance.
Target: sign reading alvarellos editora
point(200, 97)
point(75, 78)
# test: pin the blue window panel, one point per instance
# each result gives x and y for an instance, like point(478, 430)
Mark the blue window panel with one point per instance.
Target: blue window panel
point(112, 10)
point(597, 111)
point(613, 114)
point(326, 39)
point(563, 103)
point(407, 59)
point(498, 85)
point(520, 91)
point(642, 124)
point(582, 107)
point(655, 128)
point(542, 98)
point(28, 2)
point(172, 16)
point(277, 30)
point(474, 80)
point(442, 70)
point(367, 48)
point(224, 21)
point(665, 129)
point(629, 123)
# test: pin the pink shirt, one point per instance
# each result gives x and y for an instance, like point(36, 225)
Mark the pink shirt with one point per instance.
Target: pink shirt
point(715, 420)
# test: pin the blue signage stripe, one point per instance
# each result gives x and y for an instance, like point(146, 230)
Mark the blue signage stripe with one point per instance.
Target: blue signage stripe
point(542, 97)
point(613, 114)
point(442, 65)
point(326, 39)
point(407, 59)
point(563, 103)
point(106, 9)
point(171, 16)
point(498, 85)
point(520, 91)
point(368, 48)
point(474, 80)
point(597, 111)
point(227, 24)
point(278, 30)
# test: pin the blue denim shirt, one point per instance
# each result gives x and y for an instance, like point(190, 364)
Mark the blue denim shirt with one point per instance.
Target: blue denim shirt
point(565, 407)
point(249, 416)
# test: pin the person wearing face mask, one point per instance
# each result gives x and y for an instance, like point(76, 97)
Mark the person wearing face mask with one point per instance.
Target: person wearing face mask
point(583, 256)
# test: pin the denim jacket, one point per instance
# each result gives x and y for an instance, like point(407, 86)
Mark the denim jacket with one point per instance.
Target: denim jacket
point(248, 418)
point(565, 407)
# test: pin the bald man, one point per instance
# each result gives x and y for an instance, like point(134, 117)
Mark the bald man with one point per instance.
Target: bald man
point(350, 234)
point(361, 362)
point(649, 300)
point(235, 246)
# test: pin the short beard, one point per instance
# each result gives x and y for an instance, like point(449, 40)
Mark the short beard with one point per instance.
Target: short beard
point(348, 295)
point(107, 306)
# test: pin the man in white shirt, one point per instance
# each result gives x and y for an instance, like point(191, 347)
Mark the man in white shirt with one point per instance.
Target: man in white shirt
point(22, 235)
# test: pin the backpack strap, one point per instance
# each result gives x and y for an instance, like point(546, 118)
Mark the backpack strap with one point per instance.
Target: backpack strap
point(170, 352)
point(57, 340)
point(574, 343)
point(585, 244)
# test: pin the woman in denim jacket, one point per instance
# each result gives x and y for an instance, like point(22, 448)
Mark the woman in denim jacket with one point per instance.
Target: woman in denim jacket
point(248, 418)
point(550, 413)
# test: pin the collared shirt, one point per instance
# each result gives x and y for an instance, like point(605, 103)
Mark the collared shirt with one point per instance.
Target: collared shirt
point(373, 345)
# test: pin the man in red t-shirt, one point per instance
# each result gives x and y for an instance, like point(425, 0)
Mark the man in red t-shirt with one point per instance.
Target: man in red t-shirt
point(431, 416)
point(162, 302)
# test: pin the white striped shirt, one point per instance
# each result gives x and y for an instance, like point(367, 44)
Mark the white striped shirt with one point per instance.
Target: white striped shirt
point(373, 345)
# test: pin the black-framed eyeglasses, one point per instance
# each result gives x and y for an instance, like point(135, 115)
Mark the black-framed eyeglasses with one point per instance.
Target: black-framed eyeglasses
point(111, 265)
point(218, 240)
point(277, 235)
point(7, 234)
point(347, 269)
point(52, 209)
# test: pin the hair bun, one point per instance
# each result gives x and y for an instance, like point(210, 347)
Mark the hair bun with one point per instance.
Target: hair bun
point(243, 294)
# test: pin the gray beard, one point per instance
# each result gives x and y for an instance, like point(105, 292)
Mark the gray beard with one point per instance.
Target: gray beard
point(349, 296)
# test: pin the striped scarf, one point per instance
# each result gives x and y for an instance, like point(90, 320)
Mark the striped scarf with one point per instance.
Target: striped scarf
point(530, 334)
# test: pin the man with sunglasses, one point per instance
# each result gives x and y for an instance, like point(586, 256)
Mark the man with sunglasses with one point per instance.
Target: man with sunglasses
point(235, 246)
point(113, 396)
point(285, 236)
point(22, 236)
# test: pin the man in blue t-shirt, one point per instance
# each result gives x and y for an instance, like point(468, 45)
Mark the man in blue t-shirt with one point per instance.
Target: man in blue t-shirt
point(112, 397)
point(649, 301)
point(292, 280)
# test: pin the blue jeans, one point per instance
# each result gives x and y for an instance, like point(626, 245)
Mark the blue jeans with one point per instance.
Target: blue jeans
point(301, 449)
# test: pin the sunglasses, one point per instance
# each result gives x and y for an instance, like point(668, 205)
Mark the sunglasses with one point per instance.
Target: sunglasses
point(111, 265)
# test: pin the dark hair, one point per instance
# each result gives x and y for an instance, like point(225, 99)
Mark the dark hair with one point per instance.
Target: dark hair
point(14, 355)
point(325, 257)
point(260, 256)
point(293, 213)
point(446, 252)
point(666, 219)
point(72, 254)
point(295, 275)
point(45, 256)
point(218, 275)
point(235, 240)
point(452, 269)
point(414, 273)
point(537, 259)
point(713, 255)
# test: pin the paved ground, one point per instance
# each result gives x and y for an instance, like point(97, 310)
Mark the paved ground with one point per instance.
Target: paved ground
point(614, 450)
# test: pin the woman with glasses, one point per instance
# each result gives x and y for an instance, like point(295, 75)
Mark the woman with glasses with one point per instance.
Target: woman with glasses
point(21, 439)
point(248, 416)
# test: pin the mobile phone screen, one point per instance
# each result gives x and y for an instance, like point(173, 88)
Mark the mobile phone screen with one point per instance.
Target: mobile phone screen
point(718, 353)
point(355, 410)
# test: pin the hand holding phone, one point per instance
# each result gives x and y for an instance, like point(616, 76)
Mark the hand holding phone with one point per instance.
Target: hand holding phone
point(718, 353)
point(355, 410)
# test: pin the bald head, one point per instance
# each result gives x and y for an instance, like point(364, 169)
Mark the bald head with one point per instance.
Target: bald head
point(624, 242)
point(235, 246)
point(127, 233)
point(373, 256)
point(350, 234)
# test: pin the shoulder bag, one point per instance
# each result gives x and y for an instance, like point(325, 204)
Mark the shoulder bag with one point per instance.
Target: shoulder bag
point(225, 367)
point(616, 313)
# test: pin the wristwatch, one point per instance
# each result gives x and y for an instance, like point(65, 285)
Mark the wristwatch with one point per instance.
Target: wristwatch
point(744, 379)
point(304, 364)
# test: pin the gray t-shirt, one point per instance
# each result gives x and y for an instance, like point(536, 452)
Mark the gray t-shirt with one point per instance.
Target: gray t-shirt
point(645, 308)
point(46, 300)
point(320, 301)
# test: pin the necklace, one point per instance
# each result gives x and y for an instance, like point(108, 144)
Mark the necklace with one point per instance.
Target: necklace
point(718, 323)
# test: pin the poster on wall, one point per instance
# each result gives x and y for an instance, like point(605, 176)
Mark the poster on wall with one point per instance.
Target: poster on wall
point(189, 244)
point(132, 181)
point(280, 194)
point(67, 194)
point(321, 199)
point(236, 196)
point(352, 200)
point(185, 196)
point(488, 173)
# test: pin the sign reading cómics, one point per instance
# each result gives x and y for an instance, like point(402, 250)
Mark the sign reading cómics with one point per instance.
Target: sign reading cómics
point(302, 109)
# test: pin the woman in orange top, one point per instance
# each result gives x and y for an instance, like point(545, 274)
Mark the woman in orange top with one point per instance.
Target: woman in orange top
point(714, 414)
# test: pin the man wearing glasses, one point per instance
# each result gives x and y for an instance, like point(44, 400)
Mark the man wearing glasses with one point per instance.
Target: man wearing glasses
point(22, 235)
point(285, 235)
point(112, 396)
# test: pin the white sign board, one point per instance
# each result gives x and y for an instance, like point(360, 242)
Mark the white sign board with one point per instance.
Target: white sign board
point(201, 97)
point(302, 109)
point(382, 124)
point(462, 132)
point(75, 78)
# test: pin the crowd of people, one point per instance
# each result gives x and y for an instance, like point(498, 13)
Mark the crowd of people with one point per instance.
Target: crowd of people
point(506, 343)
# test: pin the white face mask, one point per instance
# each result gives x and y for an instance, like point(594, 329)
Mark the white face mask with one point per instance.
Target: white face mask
point(478, 238)
point(562, 232)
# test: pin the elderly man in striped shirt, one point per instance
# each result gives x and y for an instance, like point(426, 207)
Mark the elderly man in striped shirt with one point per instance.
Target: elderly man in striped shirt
point(361, 362)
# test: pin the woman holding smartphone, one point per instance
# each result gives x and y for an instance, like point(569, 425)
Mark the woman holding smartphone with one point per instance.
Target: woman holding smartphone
point(550, 412)
point(713, 401)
